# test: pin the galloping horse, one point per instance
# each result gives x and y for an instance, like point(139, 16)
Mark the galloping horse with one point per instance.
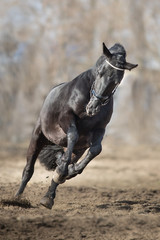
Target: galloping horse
point(73, 118)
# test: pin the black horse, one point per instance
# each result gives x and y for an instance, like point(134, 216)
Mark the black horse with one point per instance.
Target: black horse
point(73, 118)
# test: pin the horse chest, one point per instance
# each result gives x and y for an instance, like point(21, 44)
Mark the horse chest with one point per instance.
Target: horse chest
point(89, 124)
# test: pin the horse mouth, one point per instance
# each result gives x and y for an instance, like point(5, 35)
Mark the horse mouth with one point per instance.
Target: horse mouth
point(92, 111)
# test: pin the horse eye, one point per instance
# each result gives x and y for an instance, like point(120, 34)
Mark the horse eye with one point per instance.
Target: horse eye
point(121, 62)
point(101, 74)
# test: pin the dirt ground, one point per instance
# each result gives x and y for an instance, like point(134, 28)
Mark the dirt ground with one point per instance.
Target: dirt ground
point(116, 197)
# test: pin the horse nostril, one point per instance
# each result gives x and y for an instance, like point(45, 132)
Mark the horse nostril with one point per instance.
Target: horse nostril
point(92, 109)
point(89, 111)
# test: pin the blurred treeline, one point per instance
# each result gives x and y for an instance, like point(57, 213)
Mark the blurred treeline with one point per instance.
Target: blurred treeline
point(44, 42)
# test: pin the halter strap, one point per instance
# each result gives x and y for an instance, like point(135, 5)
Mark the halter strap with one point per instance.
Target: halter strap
point(120, 69)
point(104, 100)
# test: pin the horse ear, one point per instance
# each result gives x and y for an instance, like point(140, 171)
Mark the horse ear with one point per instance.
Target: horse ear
point(130, 66)
point(106, 51)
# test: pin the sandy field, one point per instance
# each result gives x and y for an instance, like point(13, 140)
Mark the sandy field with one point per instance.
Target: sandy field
point(116, 197)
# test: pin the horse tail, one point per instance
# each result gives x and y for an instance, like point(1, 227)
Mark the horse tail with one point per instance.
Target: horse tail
point(49, 156)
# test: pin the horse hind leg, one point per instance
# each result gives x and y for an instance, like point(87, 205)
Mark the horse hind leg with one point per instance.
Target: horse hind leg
point(50, 157)
point(48, 200)
point(37, 142)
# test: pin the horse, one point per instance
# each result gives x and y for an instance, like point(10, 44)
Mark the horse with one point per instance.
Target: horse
point(73, 119)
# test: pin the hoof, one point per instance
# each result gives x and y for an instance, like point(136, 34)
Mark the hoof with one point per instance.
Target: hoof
point(47, 202)
point(18, 195)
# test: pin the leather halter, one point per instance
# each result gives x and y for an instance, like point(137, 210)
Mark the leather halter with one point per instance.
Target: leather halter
point(120, 69)
point(105, 100)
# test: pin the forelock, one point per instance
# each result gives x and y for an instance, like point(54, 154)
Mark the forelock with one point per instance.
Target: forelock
point(118, 49)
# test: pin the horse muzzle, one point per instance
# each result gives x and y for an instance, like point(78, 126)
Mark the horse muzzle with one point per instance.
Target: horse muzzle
point(92, 108)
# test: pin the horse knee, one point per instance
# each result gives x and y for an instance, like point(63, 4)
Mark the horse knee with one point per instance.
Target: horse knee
point(96, 150)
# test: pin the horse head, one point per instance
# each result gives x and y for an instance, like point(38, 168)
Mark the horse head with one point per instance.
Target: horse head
point(109, 71)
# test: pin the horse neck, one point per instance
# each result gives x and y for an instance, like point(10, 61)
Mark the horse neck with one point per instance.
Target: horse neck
point(92, 77)
point(87, 79)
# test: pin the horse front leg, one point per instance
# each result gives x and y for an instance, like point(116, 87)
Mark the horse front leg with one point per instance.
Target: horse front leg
point(94, 150)
point(61, 170)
